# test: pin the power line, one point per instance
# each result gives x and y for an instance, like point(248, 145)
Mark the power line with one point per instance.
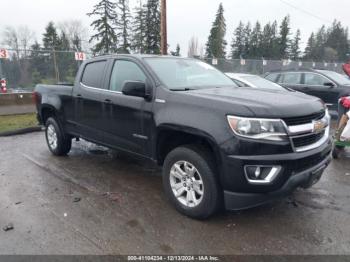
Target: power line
point(306, 12)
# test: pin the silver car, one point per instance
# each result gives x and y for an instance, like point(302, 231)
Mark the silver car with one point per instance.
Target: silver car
point(254, 81)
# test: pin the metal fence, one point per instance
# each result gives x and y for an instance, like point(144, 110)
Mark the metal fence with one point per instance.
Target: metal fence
point(23, 69)
point(260, 67)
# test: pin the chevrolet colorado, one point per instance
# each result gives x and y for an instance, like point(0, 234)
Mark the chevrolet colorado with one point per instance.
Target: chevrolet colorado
point(219, 144)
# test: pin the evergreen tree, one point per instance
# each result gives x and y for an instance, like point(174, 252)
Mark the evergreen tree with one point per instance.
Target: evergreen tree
point(123, 26)
point(255, 42)
point(310, 48)
point(265, 41)
point(247, 40)
point(320, 41)
point(328, 44)
point(105, 26)
point(274, 41)
point(338, 39)
point(295, 46)
point(51, 42)
point(238, 42)
point(178, 50)
point(284, 42)
point(216, 44)
point(38, 66)
point(65, 63)
point(50, 37)
point(152, 32)
point(269, 41)
point(139, 29)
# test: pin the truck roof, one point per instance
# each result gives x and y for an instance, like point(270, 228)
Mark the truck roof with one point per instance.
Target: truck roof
point(138, 56)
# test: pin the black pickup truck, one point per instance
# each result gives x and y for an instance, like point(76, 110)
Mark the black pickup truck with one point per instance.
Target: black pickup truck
point(219, 144)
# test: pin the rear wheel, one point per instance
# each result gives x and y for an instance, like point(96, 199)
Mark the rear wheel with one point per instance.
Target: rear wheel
point(58, 142)
point(190, 183)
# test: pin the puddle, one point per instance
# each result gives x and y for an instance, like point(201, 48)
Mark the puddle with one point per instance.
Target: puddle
point(98, 152)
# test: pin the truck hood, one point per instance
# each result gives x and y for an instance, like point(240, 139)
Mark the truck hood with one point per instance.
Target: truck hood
point(263, 102)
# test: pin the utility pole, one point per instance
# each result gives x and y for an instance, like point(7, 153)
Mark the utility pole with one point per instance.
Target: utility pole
point(57, 72)
point(163, 28)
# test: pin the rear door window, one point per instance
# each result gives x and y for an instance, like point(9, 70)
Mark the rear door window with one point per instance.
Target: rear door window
point(291, 79)
point(93, 74)
point(315, 80)
point(272, 77)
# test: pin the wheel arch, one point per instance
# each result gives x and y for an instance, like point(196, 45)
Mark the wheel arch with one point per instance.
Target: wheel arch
point(169, 137)
point(46, 112)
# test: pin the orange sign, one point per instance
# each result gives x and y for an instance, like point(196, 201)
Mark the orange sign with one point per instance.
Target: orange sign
point(4, 54)
point(80, 56)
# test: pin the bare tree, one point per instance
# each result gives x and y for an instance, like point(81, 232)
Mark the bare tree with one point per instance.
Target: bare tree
point(11, 40)
point(26, 38)
point(76, 33)
point(19, 39)
point(193, 47)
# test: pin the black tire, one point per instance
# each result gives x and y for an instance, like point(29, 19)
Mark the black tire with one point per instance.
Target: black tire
point(202, 161)
point(64, 142)
point(335, 153)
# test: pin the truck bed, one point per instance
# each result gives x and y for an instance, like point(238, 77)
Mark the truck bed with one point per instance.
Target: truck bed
point(65, 90)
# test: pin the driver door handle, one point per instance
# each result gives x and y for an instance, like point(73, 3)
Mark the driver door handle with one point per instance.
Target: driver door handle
point(108, 101)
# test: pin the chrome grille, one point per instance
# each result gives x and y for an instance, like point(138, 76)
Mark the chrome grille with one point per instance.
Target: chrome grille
point(308, 139)
point(294, 121)
point(308, 132)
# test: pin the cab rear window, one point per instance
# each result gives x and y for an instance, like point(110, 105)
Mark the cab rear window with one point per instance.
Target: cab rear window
point(93, 74)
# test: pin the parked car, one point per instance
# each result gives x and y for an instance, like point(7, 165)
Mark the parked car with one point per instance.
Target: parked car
point(330, 86)
point(254, 81)
point(219, 144)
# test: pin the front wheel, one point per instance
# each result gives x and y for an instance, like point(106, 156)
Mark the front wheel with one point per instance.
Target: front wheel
point(58, 143)
point(190, 183)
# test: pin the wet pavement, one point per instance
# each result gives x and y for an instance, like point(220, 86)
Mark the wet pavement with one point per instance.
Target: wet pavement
point(98, 202)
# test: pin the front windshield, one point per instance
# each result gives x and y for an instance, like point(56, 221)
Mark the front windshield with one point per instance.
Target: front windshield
point(260, 82)
point(188, 74)
point(339, 78)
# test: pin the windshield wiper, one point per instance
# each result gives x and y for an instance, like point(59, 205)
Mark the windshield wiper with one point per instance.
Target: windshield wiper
point(182, 89)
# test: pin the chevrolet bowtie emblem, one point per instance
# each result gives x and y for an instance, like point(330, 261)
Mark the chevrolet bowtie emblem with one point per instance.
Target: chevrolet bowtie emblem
point(319, 126)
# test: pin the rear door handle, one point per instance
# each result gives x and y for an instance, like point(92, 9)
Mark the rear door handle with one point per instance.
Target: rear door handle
point(108, 101)
point(79, 96)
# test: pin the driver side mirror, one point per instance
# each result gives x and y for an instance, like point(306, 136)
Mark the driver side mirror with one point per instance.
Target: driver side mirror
point(329, 84)
point(137, 89)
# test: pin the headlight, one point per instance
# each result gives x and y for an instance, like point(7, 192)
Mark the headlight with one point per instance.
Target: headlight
point(255, 128)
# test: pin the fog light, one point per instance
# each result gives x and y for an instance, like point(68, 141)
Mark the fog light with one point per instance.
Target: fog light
point(261, 174)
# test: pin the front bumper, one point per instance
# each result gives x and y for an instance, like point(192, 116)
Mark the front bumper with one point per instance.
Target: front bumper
point(298, 170)
point(307, 178)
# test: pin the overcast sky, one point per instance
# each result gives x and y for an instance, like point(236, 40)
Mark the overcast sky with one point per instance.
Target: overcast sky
point(186, 18)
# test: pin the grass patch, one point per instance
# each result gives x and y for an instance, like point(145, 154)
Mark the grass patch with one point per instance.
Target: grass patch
point(14, 122)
